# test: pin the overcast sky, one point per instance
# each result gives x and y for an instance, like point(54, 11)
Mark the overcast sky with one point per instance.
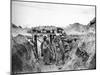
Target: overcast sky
point(27, 14)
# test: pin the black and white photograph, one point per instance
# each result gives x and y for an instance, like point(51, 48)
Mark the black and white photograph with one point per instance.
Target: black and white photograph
point(52, 37)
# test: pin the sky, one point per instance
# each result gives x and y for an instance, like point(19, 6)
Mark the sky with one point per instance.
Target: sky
point(30, 14)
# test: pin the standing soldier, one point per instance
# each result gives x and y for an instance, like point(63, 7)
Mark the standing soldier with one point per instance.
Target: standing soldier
point(45, 50)
point(59, 51)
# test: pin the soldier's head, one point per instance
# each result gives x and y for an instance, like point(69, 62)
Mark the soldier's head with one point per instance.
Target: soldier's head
point(56, 39)
point(44, 38)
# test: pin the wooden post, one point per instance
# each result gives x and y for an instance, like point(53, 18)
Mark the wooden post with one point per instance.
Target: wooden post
point(35, 41)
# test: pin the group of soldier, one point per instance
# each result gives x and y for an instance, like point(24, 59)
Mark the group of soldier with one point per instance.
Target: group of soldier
point(52, 48)
point(52, 51)
point(56, 49)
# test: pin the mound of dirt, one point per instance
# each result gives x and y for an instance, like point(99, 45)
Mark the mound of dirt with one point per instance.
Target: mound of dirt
point(20, 39)
point(23, 58)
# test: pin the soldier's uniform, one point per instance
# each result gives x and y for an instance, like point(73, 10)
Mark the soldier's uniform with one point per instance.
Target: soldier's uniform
point(46, 52)
point(59, 51)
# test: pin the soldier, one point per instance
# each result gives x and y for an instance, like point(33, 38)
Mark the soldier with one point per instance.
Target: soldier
point(45, 51)
point(59, 51)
